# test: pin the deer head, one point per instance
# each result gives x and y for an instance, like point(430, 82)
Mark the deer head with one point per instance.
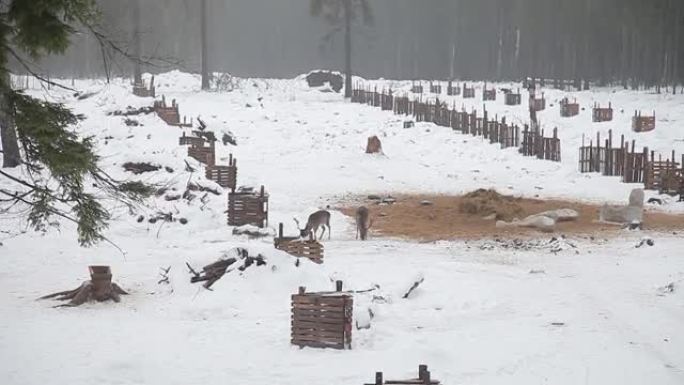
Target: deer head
point(318, 219)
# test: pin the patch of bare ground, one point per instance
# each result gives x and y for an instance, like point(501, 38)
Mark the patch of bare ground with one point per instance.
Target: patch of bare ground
point(474, 215)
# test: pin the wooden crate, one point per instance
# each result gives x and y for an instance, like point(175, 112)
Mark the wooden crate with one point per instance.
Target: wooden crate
point(424, 378)
point(468, 93)
point(224, 176)
point(191, 140)
point(513, 99)
point(322, 320)
point(453, 90)
point(537, 104)
point(170, 114)
point(601, 114)
point(299, 247)
point(204, 153)
point(247, 207)
point(567, 109)
point(488, 95)
point(142, 91)
point(643, 123)
point(435, 88)
point(417, 89)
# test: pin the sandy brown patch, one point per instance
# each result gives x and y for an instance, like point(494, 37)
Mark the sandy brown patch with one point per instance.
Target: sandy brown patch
point(462, 217)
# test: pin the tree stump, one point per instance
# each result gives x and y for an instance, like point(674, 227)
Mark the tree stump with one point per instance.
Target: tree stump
point(100, 288)
point(374, 146)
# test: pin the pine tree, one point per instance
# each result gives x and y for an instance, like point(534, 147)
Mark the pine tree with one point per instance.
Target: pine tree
point(61, 166)
point(340, 14)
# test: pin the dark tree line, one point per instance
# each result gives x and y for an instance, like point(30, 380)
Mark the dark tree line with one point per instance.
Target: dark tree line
point(636, 43)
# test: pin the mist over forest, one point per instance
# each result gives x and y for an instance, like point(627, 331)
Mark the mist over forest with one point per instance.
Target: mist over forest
point(600, 40)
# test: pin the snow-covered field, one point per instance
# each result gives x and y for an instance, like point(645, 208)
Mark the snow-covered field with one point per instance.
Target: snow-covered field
point(563, 312)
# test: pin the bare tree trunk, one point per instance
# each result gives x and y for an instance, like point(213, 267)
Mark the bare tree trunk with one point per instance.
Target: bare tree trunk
point(347, 49)
point(8, 134)
point(205, 48)
point(675, 55)
point(137, 71)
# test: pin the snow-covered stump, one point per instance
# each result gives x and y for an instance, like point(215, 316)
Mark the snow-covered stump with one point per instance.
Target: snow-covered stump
point(300, 248)
point(322, 320)
point(424, 378)
point(100, 288)
point(246, 207)
point(224, 176)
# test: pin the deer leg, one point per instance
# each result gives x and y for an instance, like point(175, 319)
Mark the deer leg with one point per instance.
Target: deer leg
point(322, 231)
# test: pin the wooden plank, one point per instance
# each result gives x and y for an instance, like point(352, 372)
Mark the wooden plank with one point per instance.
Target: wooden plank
point(318, 300)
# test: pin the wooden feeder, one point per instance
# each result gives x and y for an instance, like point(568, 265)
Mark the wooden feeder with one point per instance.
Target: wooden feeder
point(424, 378)
point(224, 176)
point(488, 95)
point(204, 153)
point(567, 109)
point(512, 99)
point(468, 93)
point(191, 140)
point(409, 124)
point(600, 114)
point(453, 90)
point(417, 88)
point(322, 320)
point(298, 247)
point(435, 88)
point(170, 114)
point(643, 123)
point(537, 104)
point(142, 91)
point(246, 207)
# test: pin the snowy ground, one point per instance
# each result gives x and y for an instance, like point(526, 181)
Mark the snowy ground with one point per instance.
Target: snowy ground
point(481, 317)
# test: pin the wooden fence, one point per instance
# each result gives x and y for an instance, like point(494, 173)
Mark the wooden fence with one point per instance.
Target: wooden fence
point(424, 378)
point(298, 247)
point(247, 207)
point(322, 320)
point(634, 166)
point(535, 144)
point(441, 114)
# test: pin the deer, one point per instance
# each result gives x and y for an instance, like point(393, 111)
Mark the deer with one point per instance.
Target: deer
point(318, 219)
point(363, 223)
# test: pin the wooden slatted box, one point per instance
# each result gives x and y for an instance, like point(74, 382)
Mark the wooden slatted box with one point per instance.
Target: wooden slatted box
point(298, 247)
point(224, 176)
point(322, 320)
point(247, 207)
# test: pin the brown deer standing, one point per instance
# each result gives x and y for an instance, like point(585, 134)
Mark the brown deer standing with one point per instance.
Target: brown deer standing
point(363, 223)
point(318, 219)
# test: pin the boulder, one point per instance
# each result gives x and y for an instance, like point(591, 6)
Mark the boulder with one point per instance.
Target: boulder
point(632, 213)
point(320, 78)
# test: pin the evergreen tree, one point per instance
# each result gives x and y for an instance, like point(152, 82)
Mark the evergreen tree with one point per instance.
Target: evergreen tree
point(60, 165)
point(340, 14)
